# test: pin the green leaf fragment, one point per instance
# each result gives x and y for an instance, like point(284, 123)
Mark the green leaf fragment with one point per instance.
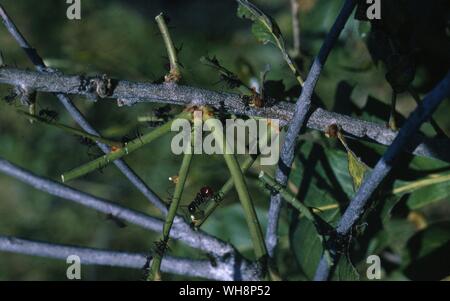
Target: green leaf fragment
point(357, 169)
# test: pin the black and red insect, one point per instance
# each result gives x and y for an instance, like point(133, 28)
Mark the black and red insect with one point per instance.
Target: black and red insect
point(204, 195)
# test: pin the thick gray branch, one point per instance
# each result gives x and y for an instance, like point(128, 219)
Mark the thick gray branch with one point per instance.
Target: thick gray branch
point(223, 269)
point(129, 93)
point(181, 231)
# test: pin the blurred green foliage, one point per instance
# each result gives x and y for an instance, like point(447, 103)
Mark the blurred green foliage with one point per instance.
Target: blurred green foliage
point(120, 38)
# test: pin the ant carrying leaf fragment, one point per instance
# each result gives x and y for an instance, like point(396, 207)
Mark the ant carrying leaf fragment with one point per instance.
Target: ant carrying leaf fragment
point(229, 78)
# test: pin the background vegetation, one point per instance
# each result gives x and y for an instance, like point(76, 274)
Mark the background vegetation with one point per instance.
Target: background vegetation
point(408, 225)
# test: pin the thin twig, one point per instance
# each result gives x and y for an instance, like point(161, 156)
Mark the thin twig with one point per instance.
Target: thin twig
point(88, 256)
point(127, 149)
point(181, 231)
point(242, 191)
point(72, 130)
point(295, 10)
point(155, 273)
point(302, 108)
point(229, 184)
point(130, 93)
point(354, 211)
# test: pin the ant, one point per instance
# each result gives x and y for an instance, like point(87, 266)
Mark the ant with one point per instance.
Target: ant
point(120, 223)
point(102, 86)
point(206, 194)
point(231, 80)
point(161, 247)
point(10, 99)
point(86, 141)
point(136, 134)
point(48, 115)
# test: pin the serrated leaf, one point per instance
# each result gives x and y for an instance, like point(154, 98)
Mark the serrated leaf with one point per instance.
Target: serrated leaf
point(264, 28)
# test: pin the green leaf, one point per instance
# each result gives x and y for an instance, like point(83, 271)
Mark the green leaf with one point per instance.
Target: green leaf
point(264, 28)
point(339, 164)
point(430, 194)
point(305, 242)
point(307, 247)
point(426, 255)
point(357, 169)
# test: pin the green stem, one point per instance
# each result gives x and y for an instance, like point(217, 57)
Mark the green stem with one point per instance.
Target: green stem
point(303, 209)
point(175, 73)
point(126, 150)
point(230, 183)
point(291, 199)
point(224, 190)
point(241, 188)
point(393, 114)
point(73, 130)
point(155, 270)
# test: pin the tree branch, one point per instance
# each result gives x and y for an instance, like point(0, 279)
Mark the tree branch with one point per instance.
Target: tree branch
point(354, 211)
point(302, 107)
point(186, 267)
point(129, 93)
point(181, 231)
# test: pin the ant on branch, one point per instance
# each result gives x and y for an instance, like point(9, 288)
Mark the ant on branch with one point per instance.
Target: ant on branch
point(161, 247)
point(232, 81)
point(160, 116)
point(205, 194)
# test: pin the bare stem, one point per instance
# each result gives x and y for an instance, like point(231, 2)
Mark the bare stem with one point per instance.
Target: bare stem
point(155, 273)
point(174, 74)
point(241, 188)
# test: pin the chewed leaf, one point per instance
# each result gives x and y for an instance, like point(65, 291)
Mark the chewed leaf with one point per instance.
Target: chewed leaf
point(266, 30)
point(345, 271)
point(356, 168)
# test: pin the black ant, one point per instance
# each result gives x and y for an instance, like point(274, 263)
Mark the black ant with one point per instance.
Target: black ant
point(161, 247)
point(10, 99)
point(229, 78)
point(85, 141)
point(48, 115)
point(136, 134)
point(163, 112)
point(120, 223)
